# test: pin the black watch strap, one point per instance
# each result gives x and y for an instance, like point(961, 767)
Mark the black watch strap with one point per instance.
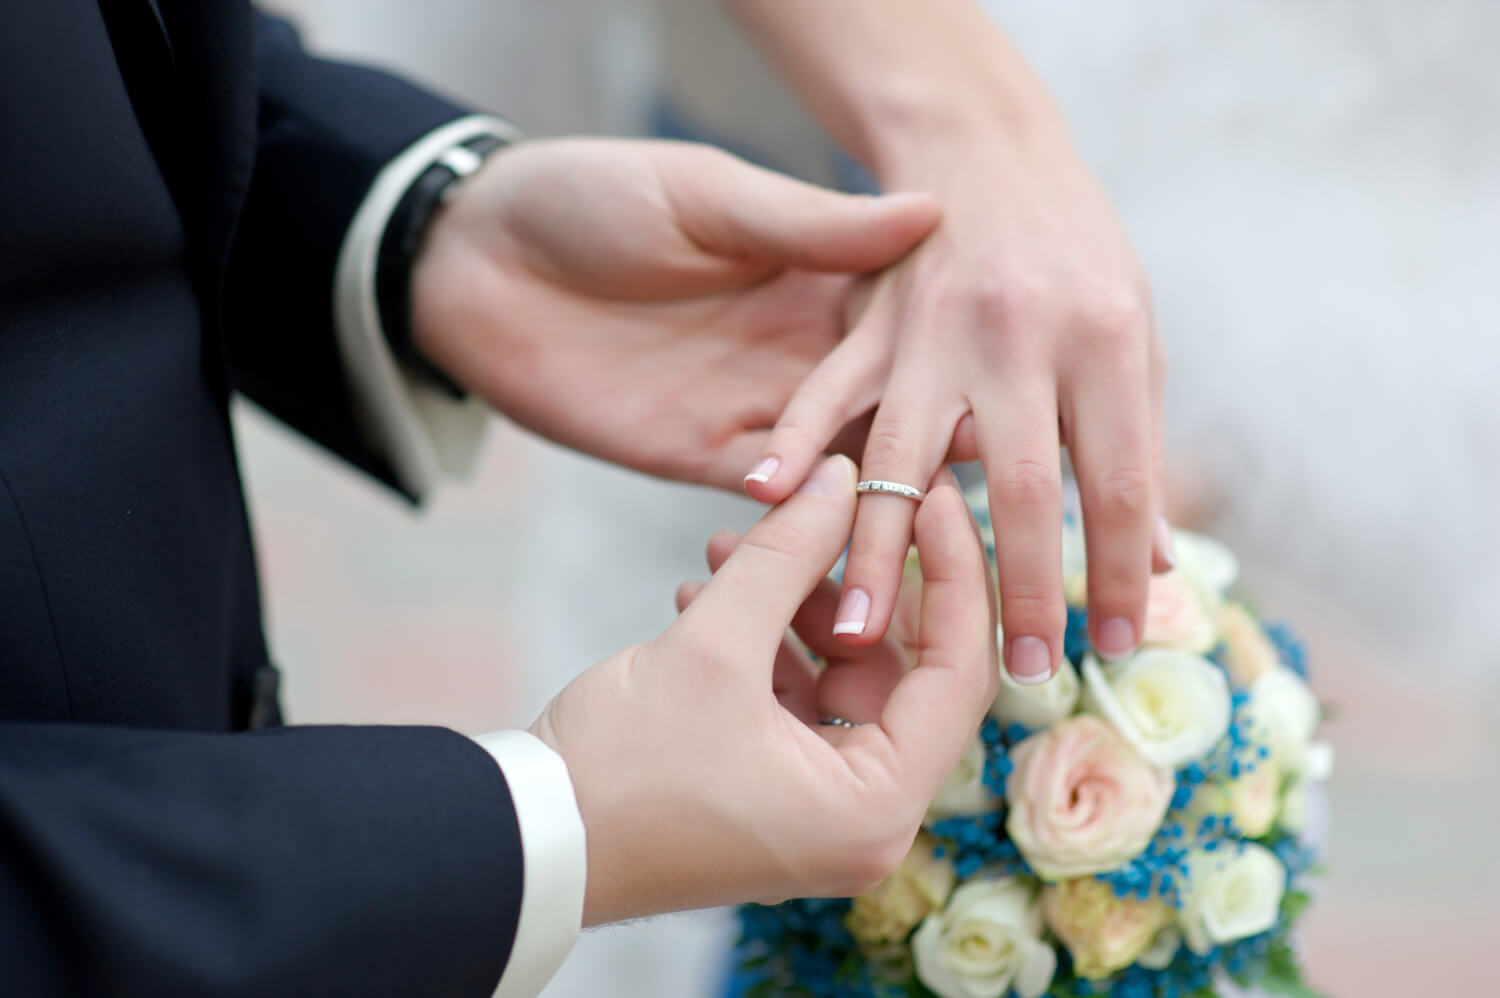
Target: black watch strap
point(403, 238)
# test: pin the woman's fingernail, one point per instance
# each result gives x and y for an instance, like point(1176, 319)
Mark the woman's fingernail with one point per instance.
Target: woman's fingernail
point(1164, 545)
point(1116, 638)
point(834, 477)
point(854, 612)
point(1029, 661)
point(763, 470)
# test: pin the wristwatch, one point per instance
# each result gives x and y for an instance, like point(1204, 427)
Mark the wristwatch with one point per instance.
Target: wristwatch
point(403, 235)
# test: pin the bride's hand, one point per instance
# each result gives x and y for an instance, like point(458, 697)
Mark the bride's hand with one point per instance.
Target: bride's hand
point(651, 303)
point(700, 772)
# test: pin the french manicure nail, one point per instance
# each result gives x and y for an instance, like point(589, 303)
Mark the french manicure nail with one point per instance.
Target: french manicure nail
point(1116, 638)
point(1164, 545)
point(763, 470)
point(832, 478)
point(1029, 661)
point(853, 612)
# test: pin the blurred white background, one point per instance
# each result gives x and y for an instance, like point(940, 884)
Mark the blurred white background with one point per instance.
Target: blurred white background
point(1315, 187)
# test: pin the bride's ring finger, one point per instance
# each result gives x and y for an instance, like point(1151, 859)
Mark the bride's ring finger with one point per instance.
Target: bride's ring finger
point(903, 451)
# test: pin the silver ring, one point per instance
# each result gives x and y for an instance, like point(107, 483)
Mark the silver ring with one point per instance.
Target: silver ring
point(837, 722)
point(889, 488)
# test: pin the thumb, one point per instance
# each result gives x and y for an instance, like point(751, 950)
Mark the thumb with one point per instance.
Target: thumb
point(747, 213)
point(750, 601)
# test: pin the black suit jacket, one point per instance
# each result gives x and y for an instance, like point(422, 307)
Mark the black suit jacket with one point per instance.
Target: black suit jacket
point(176, 177)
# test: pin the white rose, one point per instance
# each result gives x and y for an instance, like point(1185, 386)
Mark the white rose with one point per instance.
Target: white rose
point(1317, 765)
point(986, 942)
point(1230, 894)
point(1171, 706)
point(1178, 614)
point(964, 792)
point(1040, 706)
point(1207, 562)
point(1283, 715)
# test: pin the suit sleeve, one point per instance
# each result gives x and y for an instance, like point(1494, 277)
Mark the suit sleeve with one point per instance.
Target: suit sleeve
point(370, 861)
point(325, 131)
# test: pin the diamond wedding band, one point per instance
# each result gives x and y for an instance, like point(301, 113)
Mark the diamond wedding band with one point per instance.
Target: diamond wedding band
point(837, 722)
point(889, 488)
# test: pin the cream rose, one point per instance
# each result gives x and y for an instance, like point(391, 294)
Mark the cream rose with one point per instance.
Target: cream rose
point(1230, 894)
point(920, 886)
point(1211, 565)
point(1163, 949)
point(1103, 932)
point(1040, 706)
point(1252, 800)
point(1248, 653)
point(985, 943)
point(1171, 705)
point(1082, 800)
point(1283, 715)
point(1178, 615)
point(964, 792)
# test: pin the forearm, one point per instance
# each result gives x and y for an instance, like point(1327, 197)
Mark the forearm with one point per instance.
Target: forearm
point(898, 84)
point(290, 861)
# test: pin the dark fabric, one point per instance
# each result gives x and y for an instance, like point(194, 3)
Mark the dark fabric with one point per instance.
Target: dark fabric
point(325, 131)
point(145, 847)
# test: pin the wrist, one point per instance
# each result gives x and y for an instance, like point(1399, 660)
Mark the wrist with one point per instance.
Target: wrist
point(401, 246)
point(919, 136)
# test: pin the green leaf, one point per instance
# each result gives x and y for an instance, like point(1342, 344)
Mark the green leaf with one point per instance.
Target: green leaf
point(1287, 987)
point(1294, 904)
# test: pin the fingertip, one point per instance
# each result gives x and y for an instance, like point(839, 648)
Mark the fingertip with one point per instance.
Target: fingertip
point(758, 478)
point(686, 593)
point(919, 205)
point(834, 476)
point(1163, 551)
point(943, 508)
point(1029, 660)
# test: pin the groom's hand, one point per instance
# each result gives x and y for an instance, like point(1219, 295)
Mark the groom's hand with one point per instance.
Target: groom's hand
point(699, 785)
point(651, 303)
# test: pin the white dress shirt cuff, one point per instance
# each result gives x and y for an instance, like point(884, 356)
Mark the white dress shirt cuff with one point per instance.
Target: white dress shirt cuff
point(424, 434)
point(554, 857)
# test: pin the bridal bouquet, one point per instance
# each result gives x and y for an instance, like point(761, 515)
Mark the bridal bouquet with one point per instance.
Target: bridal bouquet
point(1129, 829)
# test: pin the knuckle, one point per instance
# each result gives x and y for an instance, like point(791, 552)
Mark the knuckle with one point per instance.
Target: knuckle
point(1028, 483)
point(1117, 315)
point(777, 540)
point(1032, 607)
point(1118, 592)
point(889, 450)
point(1003, 299)
point(1123, 495)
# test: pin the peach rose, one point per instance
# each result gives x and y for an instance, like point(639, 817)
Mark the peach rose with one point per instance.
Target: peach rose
point(1177, 615)
point(1248, 653)
point(1082, 800)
